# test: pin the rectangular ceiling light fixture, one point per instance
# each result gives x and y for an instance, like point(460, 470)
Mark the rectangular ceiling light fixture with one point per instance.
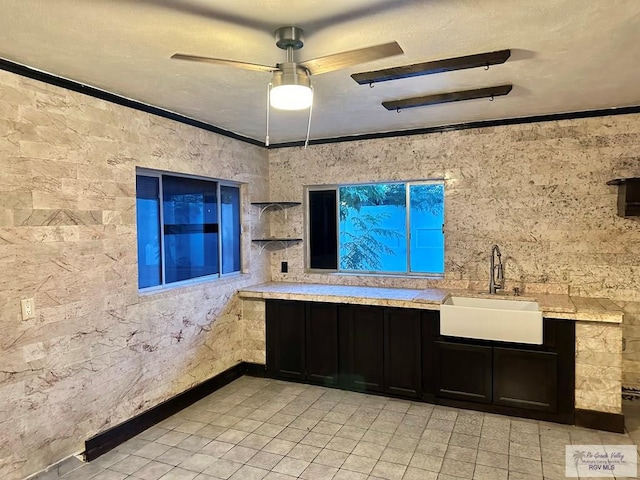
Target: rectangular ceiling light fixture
point(447, 97)
point(429, 68)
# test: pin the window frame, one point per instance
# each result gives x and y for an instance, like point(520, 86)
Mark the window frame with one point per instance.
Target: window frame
point(205, 278)
point(336, 187)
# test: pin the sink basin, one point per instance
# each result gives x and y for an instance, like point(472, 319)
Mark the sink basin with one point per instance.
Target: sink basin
point(518, 321)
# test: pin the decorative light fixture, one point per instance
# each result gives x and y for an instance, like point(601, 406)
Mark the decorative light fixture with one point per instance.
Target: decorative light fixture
point(291, 88)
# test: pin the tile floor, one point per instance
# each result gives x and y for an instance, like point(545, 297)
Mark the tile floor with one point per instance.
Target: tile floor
point(256, 428)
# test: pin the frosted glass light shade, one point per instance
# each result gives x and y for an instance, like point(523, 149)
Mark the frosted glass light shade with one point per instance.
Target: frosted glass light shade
point(291, 97)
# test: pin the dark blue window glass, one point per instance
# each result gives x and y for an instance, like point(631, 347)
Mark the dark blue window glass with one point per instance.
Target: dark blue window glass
point(148, 224)
point(190, 210)
point(188, 228)
point(230, 221)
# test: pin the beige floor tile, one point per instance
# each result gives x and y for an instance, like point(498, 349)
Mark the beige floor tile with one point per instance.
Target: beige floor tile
point(492, 459)
point(349, 475)
point(525, 465)
point(342, 444)
point(194, 443)
point(316, 439)
point(222, 468)
point(249, 473)
point(240, 454)
point(304, 452)
point(525, 451)
point(197, 462)
point(426, 462)
point(130, 464)
point(357, 463)
point(394, 455)
point(369, 450)
point(279, 446)
point(483, 472)
point(413, 473)
point(316, 471)
point(388, 470)
point(331, 458)
point(464, 440)
point(457, 468)
point(431, 448)
point(462, 454)
point(379, 438)
point(265, 460)
point(403, 443)
point(291, 466)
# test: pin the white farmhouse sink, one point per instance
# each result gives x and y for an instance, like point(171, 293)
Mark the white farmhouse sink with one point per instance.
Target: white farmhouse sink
point(491, 319)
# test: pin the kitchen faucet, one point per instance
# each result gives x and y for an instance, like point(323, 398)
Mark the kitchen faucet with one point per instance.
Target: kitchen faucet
point(496, 282)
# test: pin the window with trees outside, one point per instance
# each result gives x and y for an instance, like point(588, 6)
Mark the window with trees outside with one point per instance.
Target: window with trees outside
point(377, 228)
point(188, 228)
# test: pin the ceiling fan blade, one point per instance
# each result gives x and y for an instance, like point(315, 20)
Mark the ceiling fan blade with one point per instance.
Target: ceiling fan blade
point(229, 63)
point(337, 61)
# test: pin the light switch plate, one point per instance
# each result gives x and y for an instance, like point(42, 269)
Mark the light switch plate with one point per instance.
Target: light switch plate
point(28, 308)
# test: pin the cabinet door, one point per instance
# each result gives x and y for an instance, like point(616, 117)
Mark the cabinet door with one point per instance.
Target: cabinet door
point(322, 343)
point(402, 362)
point(463, 372)
point(363, 348)
point(285, 332)
point(525, 379)
point(430, 334)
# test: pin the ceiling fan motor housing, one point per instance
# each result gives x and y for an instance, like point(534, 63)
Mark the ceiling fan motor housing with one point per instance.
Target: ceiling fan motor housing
point(290, 73)
point(289, 37)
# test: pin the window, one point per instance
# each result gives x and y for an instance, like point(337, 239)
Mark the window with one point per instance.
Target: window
point(378, 228)
point(188, 228)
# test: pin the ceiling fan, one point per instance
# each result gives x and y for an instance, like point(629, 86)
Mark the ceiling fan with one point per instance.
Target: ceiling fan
point(290, 87)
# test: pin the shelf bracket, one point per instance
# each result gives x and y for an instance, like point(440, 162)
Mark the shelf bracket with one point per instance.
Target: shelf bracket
point(263, 209)
point(281, 242)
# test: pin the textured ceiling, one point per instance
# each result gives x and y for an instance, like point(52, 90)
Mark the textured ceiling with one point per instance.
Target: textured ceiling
point(567, 55)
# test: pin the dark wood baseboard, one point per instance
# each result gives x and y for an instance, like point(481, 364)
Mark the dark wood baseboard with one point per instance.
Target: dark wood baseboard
point(109, 439)
point(610, 422)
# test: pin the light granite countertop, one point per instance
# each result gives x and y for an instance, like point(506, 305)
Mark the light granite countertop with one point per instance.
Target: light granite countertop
point(552, 306)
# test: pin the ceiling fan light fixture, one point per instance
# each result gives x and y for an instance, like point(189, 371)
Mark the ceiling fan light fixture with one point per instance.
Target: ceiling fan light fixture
point(291, 88)
point(291, 97)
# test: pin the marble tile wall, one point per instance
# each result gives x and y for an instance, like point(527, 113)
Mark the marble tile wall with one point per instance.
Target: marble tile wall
point(97, 352)
point(538, 190)
point(598, 362)
point(253, 330)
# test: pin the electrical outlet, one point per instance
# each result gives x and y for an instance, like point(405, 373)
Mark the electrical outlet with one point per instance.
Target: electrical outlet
point(28, 308)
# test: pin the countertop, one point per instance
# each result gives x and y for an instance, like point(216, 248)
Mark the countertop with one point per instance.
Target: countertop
point(552, 306)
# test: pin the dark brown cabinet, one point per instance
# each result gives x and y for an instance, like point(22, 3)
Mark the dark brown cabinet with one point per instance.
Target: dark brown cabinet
point(525, 379)
point(321, 333)
point(402, 352)
point(285, 337)
point(535, 381)
point(362, 348)
point(463, 372)
point(302, 341)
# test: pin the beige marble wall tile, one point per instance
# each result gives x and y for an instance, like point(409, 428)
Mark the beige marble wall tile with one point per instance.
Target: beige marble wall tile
point(253, 327)
point(538, 190)
point(97, 352)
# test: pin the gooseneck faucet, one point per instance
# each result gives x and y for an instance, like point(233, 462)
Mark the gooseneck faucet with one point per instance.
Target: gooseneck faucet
point(496, 282)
